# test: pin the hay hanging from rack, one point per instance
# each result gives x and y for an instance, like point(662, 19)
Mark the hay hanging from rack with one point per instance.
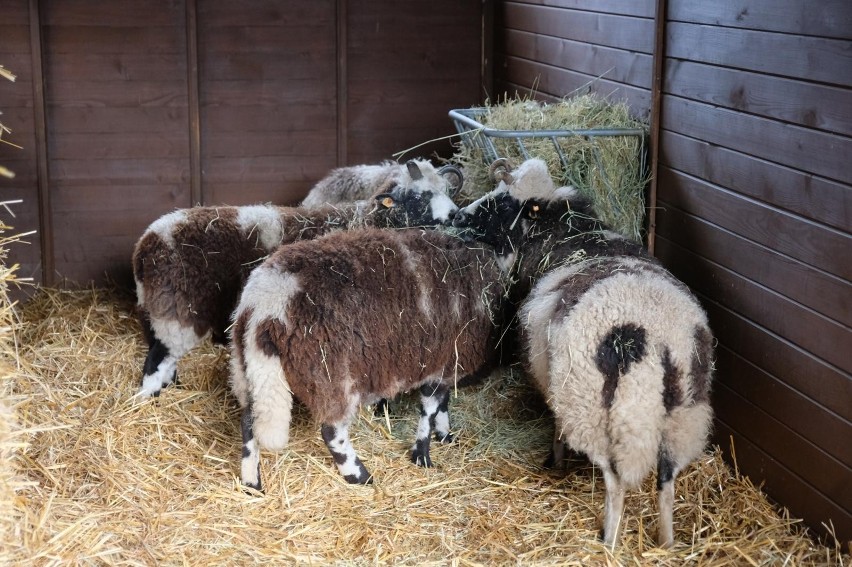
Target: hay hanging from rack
point(609, 170)
point(105, 480)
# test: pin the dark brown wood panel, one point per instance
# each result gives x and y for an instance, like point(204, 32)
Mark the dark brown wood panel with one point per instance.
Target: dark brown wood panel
point(560, 82)
point(406, 68)
point(825, 429)
point(802, 148)
point(16, 105)
point(640, 8)
point(827, 18)
point(784, 487)
point(622, 32)
point(267, 96)
point(815, 333)
point(616, 65)
point(808, 104)
point(799, 57)
point(811, 243)
point(827, 294)
point(799, 192)
point(826, 385)
point(815, 467)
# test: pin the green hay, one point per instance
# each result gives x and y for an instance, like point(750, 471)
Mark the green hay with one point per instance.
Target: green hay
point(609, 170)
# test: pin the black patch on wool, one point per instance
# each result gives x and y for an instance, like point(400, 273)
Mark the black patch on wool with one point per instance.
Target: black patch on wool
point(665, 468)
point(672, 392)
point(621, 347)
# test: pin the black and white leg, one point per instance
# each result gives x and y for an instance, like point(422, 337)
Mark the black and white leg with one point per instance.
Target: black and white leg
point(666, 474)
point(432, 398)
point(336, 438)
point(613, 505)
point(250, 464)
point(159, 370)
point(442, 421)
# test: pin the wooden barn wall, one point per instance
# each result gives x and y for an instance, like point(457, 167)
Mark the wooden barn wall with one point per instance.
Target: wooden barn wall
point(753, 203)
point(152, 105)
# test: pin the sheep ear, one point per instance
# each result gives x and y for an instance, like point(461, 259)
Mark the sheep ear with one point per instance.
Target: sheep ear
point(413, 170)
point(386, 200)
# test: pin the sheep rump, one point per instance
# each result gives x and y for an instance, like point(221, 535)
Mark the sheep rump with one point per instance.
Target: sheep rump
point(321, 321)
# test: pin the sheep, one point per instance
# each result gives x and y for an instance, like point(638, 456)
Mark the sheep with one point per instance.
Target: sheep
point(190, 265)
point(321, 320)
point(618, 346)
point(347, 184)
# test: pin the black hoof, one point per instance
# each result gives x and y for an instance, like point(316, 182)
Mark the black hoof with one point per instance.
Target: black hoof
point(256, 487)
point(358, 479)
point(381, 407)
point(421, 460)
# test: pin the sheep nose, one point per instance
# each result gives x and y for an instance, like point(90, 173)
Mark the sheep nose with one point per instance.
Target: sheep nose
point(458, 217)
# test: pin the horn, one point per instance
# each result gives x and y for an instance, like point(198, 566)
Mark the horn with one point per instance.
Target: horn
point(456, 187)
point(414, 170)
point(499, 171)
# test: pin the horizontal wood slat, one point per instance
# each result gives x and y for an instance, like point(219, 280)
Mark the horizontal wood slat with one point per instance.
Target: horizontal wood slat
point(802, 148)
point(639, 8)
point(798, 57)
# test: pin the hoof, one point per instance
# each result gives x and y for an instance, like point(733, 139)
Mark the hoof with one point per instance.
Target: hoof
point(445, 438)
point(421, 460)
point(358, 479)
point(249, 486)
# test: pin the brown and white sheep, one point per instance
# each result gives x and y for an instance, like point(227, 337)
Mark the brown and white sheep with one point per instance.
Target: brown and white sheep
point(356, 316)
point(358, 182)
point(190, 264)
point(619, 347)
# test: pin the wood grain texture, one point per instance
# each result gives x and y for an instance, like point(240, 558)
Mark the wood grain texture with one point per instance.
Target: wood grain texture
point(639, 8)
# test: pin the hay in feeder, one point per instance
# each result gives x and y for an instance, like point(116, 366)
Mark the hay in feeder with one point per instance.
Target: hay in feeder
point(107, 480)
point(610, 170)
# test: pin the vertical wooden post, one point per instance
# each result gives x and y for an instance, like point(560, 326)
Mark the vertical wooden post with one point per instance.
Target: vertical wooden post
point(196, 190)
point(656, 118)
point(487, 51)
point(342, 79)
point(45, 216)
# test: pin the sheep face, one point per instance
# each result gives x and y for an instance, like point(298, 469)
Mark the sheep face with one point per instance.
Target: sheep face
point(409, 207)
point(497, 219)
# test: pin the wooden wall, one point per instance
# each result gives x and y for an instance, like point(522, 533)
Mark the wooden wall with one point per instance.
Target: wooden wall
point(151, 105)
point(753, 197)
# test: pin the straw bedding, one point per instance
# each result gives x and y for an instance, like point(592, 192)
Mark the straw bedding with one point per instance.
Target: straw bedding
point(89, 476)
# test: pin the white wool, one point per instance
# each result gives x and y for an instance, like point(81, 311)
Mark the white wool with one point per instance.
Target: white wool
point(164, 226)
point(261, 223)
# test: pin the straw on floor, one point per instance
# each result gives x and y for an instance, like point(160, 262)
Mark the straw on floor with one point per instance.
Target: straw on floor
point(91, 476)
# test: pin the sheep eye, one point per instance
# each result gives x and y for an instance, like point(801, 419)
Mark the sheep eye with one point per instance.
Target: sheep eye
point(388, 202)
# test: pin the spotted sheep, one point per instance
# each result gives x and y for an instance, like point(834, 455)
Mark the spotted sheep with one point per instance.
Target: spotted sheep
point(620, 348)
point(190, 265)
point(355, 316)
point(357, 182)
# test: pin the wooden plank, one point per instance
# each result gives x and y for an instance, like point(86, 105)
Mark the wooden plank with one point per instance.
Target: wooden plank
point(780, 485)
point(107, 67)
point(270, 13)
point(293, 119)
point(811, 243)
point(285, 192)
point(638, 8)
point(560, 82)
point(812, 465)
point(45, 223)
point(277, 67)
point(808, 196)
point(144, 201)
point(660, 11)
point(111, 145)
point(141, 120)
point(92, 13)
point(825, 429)
point(221, 42)
point(778, 357)
point(271, 168)
point(799, 57)
point(826, 294)
point(308, 92)
point(342, 59)
point(118, 94)
point(814, 333)
point(807, 104)
point(613, 64)
point(124, 171)
point(313, 142)
point(196, 188)
point(113, 40)
point(635, 34)
point(794, 146)
point(828, 18)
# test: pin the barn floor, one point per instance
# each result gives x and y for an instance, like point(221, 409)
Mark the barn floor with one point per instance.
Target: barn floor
point(90, 476)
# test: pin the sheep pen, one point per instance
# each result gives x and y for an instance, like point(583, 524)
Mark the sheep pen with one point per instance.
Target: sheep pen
point(89, 476)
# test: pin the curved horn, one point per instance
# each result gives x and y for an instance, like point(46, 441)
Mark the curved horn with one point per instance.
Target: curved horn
point(456, 187)
point(414, 170)
point(499, 171)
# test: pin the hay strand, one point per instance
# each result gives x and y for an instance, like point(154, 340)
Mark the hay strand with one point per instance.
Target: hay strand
point(101, 479)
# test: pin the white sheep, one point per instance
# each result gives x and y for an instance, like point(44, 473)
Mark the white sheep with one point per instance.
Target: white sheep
point(355, 316)
point(190, 264)
point(619, 347)
point(357, 182)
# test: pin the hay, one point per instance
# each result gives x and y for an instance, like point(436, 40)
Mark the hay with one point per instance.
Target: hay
point(609, 170)
point(105, 480)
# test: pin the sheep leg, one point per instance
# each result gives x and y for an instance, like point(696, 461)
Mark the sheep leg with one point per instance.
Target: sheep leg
point(432, 398)
point(556, 458)
point(159, 370)
point(442, 421)
point(614, 505)
point(250, 465)
point(336, 437)
point(666, 474)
